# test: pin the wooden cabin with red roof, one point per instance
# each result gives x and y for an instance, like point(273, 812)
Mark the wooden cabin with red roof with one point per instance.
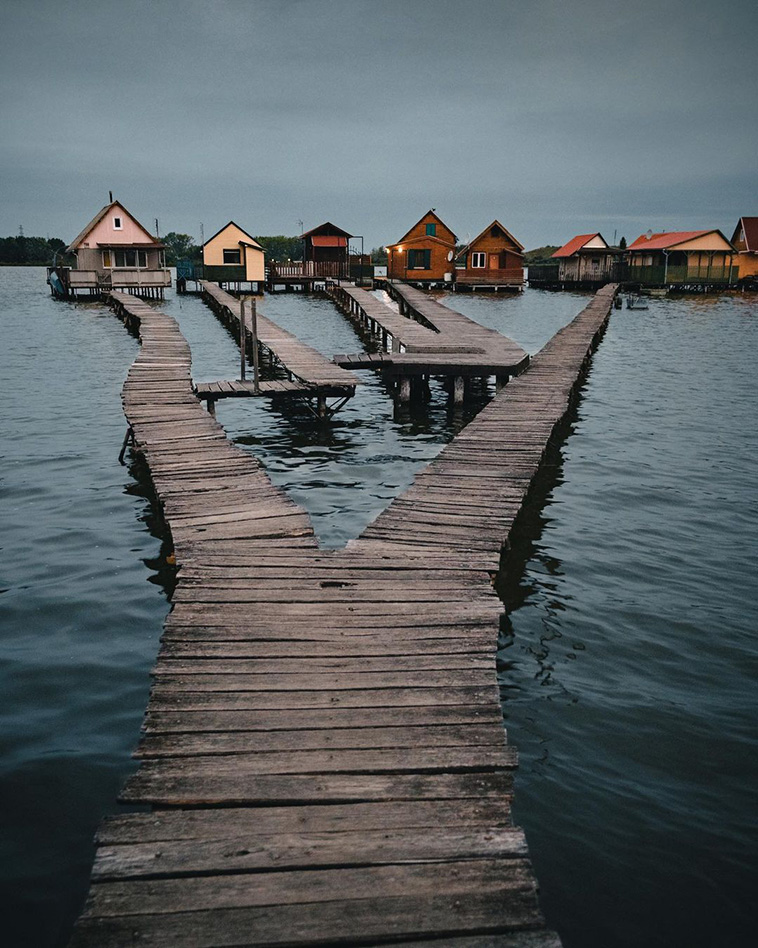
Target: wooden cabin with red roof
point(493, 260)
point(745, 241)
point(587, 260)
point(697, 258)
point(114, 251)
point(424, 254)
point(326, 252)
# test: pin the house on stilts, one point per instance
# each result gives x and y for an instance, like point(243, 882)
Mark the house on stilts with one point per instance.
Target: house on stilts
point(113, 252)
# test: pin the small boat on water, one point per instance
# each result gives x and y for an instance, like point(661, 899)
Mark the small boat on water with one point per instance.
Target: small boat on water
point(636, 302)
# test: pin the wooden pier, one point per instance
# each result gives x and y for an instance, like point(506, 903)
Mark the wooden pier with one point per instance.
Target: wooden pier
point(311, 375)
point(431, 340)
point(323, 750)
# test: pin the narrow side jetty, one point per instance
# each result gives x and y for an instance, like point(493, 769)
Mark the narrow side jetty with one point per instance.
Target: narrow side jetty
point(317, 377)
point(435, 341)
point(323, 750)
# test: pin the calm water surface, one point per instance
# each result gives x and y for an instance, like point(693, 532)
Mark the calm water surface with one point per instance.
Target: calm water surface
point(628, 657)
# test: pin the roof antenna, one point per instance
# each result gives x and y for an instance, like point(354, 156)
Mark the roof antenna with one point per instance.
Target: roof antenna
point(110, 197)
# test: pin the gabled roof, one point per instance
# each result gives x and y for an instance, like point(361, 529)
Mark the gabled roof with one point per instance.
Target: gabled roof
point(495, 223)
point(99, 216)
point(576, 243)
point(250, 242)
point(666, 240)
point(317, 230)
point(435, 216)
point(749, 227)
point(422, 238)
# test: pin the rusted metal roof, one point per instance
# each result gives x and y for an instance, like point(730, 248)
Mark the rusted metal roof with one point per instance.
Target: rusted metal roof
point(667, 239)
point(576, 243)
point(329, 241)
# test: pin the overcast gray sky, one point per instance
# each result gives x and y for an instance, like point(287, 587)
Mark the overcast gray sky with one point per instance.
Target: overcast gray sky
point(556, 117)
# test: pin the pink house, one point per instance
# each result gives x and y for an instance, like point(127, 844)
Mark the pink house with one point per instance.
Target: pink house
point(115, 251)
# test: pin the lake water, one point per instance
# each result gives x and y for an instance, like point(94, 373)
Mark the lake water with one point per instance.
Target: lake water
point(628, 659)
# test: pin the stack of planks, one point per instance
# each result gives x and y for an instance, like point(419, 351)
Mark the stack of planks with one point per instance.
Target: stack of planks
point(323, 749)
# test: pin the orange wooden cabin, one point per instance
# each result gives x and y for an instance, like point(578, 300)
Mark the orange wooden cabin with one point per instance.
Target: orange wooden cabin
point(745, 239)
point(494, 258)
point(425, 254)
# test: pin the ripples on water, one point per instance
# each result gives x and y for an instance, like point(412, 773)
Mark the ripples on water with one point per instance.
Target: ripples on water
point(631, 655)
point(628, 656)
point(80, 625)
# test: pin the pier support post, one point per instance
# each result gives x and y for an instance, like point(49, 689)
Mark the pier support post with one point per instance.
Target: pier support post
point(404, 390)
point(321, 406)
point(500, 382)
point(458, 390)
point(211, 403)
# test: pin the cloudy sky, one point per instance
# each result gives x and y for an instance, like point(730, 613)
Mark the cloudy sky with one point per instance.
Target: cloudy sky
point(556, 116)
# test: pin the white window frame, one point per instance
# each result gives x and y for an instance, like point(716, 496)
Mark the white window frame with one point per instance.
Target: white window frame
point(476, 257)
point(118, 223)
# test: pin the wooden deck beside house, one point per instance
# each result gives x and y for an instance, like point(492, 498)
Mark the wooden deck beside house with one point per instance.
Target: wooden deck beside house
point(323, 750)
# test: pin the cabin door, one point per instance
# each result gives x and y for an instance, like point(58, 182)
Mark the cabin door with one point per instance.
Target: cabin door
point(494, 261)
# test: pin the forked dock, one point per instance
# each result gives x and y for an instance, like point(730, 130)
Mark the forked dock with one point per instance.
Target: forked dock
point(323, 750)
point(429, 341)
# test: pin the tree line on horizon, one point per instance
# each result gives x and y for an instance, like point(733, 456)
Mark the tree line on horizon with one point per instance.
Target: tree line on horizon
point(40, 251)
point(23, 251)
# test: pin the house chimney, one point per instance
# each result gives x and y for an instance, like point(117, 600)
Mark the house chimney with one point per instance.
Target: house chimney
point(110, 197)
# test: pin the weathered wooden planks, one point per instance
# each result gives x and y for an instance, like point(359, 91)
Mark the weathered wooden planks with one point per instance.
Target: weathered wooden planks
point(323, 748)
point(438, 341)
point(305, 364)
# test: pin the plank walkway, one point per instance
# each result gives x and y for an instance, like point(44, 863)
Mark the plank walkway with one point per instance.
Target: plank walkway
point(236, 388)
point(439, 341)
point(323, 749)
point(301, 361)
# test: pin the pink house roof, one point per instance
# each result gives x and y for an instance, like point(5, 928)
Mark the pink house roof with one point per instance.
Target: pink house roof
point(665, 240)
point(151, 241)
point(576, 243)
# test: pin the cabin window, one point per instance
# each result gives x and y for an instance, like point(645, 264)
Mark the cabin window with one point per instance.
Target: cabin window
point(130, 258)
point(231, 256)
point(117, 225)
point(478, 260)
point(431, 230)
point(419, 259)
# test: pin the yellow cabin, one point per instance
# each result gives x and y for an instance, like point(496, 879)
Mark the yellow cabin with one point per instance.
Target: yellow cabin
point(233, 256)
